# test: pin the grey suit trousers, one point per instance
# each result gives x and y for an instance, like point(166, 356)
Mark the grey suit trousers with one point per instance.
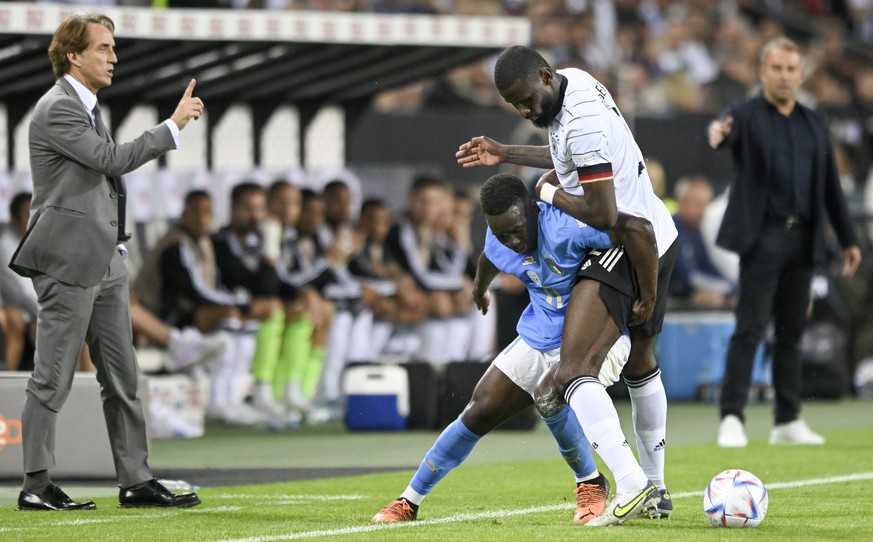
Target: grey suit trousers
point(99, 315)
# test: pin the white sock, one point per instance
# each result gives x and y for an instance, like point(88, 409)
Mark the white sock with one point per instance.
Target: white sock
point(434, 337)
point(335, 355)
point(484, 332)
point(294, 394)
point(360, 337)
point(222, 372)
point(412, 496)
point(599, 421)
point(649, 405)
point(460, 330)
point(263, 393)
point(382, 331)
point(241, 382)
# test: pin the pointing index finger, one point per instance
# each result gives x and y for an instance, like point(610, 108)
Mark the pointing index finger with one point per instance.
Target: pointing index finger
point(190, 89)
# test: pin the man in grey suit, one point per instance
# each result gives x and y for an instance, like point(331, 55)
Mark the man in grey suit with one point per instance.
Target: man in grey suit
point(73, 252)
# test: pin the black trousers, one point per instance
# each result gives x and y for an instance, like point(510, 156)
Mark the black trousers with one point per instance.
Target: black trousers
point(774, 282)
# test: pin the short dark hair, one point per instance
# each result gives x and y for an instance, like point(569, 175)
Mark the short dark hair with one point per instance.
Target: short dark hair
point(242, 190)
point(307, 195)
point(371, 204)
point(336, 184)
point(72, 37)
point(195, 195)
point(518, 63)
point(421, 182)
point(16, 206)
point(277, 185)
point(501, 192)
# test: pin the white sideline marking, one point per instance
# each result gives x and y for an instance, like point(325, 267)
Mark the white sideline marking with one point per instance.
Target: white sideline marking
point(151, 515)
point(378, 527)
point(524, 511)
point(291, 497)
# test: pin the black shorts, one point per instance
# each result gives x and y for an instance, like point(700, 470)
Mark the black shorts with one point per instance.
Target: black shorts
point(619, 287)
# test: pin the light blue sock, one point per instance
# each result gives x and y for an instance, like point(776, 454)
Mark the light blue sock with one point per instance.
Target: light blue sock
point(450, 450)
point(572, 444)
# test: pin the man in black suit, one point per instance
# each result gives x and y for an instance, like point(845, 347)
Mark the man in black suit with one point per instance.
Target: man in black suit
point(784, 188)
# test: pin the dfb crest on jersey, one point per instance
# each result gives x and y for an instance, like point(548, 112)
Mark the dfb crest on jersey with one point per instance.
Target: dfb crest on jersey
point(532, 275)
point(553, 265)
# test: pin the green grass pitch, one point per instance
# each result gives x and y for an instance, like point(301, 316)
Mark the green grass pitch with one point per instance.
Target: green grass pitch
point(816, 493)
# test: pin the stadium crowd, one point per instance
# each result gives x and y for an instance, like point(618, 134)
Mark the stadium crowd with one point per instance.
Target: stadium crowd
point(658, 58)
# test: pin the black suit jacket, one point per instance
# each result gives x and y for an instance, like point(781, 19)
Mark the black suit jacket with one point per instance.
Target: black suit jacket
point(750, 143)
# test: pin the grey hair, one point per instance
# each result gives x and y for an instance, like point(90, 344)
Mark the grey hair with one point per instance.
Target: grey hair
point(780, 43)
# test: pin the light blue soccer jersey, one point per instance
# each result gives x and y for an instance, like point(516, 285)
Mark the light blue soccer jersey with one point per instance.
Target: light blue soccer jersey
point(549, 273)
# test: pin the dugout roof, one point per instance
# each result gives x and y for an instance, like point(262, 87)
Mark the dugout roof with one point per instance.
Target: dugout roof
point(263, 58)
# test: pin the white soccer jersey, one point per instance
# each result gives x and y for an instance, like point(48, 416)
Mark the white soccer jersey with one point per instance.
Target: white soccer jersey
point(590, 142)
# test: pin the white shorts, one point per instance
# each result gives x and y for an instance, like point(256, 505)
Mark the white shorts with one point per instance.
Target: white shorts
point(525, 365)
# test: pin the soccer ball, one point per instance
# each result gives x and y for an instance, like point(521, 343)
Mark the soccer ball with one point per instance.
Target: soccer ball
point(735, 498)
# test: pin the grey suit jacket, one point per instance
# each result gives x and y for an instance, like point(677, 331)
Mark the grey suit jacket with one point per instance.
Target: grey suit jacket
point(73, 228)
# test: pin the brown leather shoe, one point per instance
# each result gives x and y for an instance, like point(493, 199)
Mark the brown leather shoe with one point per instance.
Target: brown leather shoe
point(51, 498)
point(152, 494)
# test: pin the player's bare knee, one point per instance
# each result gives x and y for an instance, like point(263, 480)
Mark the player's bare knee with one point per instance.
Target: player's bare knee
point(549, 402)
point(476, 419)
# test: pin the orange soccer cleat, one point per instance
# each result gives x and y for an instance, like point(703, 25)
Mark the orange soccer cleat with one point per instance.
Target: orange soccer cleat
point(591, 497)
point(396, 510)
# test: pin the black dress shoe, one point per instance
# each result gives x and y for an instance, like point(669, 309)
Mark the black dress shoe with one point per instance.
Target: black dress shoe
point(51, 498)
point(151, 494)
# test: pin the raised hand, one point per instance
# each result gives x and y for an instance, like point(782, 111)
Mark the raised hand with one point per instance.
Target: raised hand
point(190, 107)
point(718, 130)
point(851, 260)
point(480, 151)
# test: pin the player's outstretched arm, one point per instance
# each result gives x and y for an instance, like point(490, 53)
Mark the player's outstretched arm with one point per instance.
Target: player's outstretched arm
point(484, 151)
point(596, 207)
point(485, 273)
point(638, 237)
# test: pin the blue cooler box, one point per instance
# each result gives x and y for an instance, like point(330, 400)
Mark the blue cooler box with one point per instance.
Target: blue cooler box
point(377, 397)
point(691, 351)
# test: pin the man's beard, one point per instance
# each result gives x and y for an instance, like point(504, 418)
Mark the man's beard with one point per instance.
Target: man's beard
point(550, 111)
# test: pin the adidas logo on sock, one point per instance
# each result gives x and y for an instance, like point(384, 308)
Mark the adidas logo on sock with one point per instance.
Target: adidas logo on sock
point(660, 445)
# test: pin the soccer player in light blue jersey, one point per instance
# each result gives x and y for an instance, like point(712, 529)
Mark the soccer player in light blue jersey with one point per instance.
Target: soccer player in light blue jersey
point(544, 248)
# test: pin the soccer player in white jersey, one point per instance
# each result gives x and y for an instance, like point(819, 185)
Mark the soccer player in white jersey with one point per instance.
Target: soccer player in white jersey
point(544, 248)
point(598, 171)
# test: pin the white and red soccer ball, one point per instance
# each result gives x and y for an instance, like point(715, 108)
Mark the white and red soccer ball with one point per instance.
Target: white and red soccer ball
point(735, 498)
